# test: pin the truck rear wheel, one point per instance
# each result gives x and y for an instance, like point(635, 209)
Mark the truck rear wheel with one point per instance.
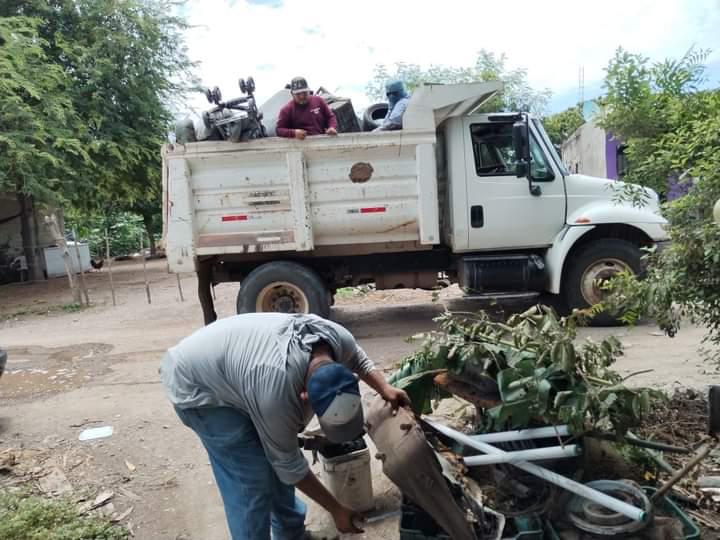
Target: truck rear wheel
point(593, 264)
point(283, 287)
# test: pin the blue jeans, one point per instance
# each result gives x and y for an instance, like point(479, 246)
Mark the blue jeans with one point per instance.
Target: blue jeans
point(253, 495)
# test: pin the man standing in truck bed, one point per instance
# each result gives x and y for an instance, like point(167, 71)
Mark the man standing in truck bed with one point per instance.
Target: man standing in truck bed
point(305, 114)
point(247, 385)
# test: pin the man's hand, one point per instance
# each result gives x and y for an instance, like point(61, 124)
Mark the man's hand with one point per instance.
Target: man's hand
point(396, 397)
point(331, 131)
point(345, 520)
point(300, 134)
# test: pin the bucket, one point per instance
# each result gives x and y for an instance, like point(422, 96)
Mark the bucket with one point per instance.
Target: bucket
point(348, 478)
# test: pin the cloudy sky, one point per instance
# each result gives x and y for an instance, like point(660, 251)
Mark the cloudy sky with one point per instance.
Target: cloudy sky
point(337, 43)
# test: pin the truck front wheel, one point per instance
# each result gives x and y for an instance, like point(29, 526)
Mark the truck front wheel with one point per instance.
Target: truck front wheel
point(593, 264)
point(283, 287)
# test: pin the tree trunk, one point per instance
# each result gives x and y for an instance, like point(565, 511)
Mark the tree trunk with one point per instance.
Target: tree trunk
point(29, 238)
point(148, 222)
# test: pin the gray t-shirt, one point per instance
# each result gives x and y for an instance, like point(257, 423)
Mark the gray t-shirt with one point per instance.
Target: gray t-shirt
point(257, 363)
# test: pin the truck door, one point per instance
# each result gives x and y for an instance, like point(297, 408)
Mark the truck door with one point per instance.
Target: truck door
point(501, 211)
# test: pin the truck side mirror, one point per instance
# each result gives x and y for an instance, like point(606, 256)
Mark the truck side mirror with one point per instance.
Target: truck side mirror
point(521, 144)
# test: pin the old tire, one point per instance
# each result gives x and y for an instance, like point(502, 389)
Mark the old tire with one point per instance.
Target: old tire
point(374, 115)
point(283, 287)
point(595, 262)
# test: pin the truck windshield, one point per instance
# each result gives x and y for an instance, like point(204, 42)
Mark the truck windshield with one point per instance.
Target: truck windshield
point(550, 146)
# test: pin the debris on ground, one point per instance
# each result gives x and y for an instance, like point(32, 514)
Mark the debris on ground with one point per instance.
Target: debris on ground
point(538, 394)
point(95, 433)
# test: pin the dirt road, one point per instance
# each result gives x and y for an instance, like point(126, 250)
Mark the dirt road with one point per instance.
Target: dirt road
point(69, 370)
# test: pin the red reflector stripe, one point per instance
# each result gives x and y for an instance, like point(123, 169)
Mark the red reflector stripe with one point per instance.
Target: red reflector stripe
point(372, 210)
point(235, 218)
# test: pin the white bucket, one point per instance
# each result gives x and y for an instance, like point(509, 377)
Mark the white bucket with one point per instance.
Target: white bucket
point(349, 479)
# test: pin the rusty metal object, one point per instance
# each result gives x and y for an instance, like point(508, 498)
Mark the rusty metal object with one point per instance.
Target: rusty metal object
point(466, 391)
point(411, 464)
point(361, 172)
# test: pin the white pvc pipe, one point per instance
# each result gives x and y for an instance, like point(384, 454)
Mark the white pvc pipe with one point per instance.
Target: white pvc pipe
point(535, 454)
point(523, 434)
point(594, 495)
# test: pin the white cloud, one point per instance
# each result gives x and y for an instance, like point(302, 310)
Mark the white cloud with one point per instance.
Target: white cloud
point(337, 44)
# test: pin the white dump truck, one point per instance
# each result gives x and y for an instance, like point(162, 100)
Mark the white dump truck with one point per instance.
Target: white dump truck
point(483, 200)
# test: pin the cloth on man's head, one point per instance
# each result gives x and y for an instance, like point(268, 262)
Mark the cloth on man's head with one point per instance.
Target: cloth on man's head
point(395, 91)
point(334, 396)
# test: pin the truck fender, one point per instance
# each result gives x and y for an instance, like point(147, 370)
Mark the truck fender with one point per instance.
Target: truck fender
point(556, 255)
point(606, 211)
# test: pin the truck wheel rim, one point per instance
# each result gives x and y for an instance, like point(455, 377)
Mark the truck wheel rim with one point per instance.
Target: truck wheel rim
point(282, 297)
point(598, 273)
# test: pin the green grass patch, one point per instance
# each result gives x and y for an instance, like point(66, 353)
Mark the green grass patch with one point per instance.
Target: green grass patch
point(30, 517)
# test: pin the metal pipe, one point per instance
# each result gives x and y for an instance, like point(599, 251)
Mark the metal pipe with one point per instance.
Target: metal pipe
point(535, 454)
point(523, 434)
point(594, 495)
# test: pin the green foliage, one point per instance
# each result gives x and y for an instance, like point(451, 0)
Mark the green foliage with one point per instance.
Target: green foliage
point(87, 91)
point(124, 230)
point(672, 130)
point(29, 517)
point(649, 107)
point(563, 124)
point(540, 371)
point(39, 148)
point(517, 95)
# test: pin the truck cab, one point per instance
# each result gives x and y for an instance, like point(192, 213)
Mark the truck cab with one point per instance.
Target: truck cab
point(480, 199)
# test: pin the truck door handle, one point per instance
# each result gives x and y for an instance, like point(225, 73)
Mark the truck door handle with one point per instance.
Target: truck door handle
point(477, 217)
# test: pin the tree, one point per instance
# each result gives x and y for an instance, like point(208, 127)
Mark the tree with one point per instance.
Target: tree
point(127, 67)
point(517, 95)
point(40, 150)
point(561, 125)
point(672, 130)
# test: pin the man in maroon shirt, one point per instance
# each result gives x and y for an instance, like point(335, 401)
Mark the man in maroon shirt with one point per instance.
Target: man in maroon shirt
point(305, 114)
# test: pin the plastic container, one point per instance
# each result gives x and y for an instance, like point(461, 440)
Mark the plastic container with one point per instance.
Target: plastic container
point(528, 528)
point(690, 530)
point(348, 478)
point(416, 524)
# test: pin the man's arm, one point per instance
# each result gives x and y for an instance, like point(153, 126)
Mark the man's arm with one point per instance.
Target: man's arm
point(342, 516)
point(282, 127)
point(396, 397)
point(394, 117)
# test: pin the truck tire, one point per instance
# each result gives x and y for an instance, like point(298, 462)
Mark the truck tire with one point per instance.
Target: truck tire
point(374, 116)
point(597, 261)
point(283, 287)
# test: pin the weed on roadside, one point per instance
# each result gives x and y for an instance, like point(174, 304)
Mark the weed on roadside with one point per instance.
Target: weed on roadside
point(31, 517)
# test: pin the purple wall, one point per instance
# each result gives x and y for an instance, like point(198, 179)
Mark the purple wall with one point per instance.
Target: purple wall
point(611, 151)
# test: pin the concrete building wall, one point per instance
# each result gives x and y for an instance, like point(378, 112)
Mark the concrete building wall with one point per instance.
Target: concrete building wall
point(585, 151)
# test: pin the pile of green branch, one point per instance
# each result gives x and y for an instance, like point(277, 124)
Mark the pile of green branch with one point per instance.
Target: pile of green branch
point(525, 371)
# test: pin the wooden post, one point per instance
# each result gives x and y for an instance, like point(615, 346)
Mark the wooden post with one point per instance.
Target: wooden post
point(51, 222)
point(182, 299)
point(147, 283)
point(83, 286)
point(109, 261)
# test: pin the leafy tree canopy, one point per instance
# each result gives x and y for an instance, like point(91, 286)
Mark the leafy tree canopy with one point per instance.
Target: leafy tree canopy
point(518, 95)
point(672, 131)
point(561, 125)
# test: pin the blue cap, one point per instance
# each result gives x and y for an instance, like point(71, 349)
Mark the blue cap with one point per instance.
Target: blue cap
point(334, 396)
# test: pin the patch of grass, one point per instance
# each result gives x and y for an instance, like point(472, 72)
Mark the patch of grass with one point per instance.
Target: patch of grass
point(30, 517)
point(72, 307)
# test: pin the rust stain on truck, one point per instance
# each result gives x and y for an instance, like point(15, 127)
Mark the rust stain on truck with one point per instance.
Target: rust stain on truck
point(361, 172)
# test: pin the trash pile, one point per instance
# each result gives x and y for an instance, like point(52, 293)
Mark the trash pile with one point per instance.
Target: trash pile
point(240, 119)
point(559, 447)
